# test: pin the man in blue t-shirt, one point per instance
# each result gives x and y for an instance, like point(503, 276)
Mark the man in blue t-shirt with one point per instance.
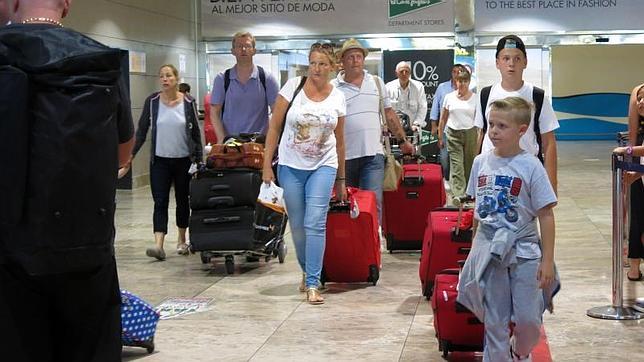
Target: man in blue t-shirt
point(242, 94)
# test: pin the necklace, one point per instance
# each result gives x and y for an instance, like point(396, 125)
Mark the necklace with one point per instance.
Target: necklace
point(42, 20)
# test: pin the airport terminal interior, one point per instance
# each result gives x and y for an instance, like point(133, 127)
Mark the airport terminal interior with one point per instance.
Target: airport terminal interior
point(257, 313)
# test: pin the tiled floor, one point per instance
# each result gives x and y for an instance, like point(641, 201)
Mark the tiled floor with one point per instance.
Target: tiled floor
point(258, 314)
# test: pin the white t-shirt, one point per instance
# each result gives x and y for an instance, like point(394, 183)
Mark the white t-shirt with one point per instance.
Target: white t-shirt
point(461, 113)
point(308, 141)
point(509, 192)
point(547, 120)
point(362, 126)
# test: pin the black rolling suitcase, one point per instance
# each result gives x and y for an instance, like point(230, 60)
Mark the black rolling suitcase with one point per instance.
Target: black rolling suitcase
point(214, 188)
point(223, 229)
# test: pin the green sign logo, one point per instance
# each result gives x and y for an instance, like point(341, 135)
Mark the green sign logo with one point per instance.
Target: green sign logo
point(400, 7)
point(426, 137)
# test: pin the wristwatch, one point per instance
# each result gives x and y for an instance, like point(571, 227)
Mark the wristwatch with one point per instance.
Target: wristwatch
point(629, 150)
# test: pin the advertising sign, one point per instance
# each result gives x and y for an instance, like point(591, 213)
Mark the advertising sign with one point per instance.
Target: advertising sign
point(430, 67)
point(223, 18)
point(516, 16)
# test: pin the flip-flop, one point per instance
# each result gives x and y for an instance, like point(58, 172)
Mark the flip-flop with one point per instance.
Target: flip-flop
point(639, 277)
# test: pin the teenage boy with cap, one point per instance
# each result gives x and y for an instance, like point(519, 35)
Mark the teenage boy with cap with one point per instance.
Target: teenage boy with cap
point(511, 61)
point(365, 162)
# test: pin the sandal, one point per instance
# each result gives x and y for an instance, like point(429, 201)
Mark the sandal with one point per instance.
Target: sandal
point(182, 249)
point(157, 253)
point(636, 279)
point(313, 296)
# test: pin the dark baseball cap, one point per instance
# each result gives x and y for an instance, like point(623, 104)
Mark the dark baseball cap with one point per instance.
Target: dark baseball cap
point(509, 42)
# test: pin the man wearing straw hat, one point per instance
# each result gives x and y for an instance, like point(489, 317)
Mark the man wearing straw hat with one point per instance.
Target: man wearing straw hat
point(365, 162)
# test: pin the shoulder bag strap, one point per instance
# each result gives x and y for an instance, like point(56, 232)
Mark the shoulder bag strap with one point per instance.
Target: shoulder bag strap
point(383, 120)
point(297, 91)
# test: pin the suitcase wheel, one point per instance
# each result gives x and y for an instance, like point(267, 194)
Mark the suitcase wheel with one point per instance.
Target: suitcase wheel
point(374, 274)
point(230, 264)
point(429, 289)
point(149, 346)
point(322, 277)
point(281, 251)
point(444, 347)
point(205, 258)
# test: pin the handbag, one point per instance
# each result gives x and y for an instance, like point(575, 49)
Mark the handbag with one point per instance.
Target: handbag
point(393, 168)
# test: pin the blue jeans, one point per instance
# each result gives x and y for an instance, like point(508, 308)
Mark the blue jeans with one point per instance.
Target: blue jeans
point(511, 293)
point(367, 173)
point(307, 194)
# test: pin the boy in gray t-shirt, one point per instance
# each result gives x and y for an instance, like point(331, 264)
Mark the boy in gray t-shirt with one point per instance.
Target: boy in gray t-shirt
point(509, 263)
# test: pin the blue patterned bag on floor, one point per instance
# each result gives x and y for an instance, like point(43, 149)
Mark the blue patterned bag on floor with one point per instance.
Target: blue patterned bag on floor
point(138, 321)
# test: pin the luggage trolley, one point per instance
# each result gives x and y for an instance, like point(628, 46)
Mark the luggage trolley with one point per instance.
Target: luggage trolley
point(223, 215)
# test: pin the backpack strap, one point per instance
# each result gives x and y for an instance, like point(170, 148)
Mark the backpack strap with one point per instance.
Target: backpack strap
point(538, 95)
point(226, 84)
point(485, 96)
point(262, 78)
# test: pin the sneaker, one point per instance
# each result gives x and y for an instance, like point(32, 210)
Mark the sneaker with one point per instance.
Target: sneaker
point(516, 357)
point(155, 253)
point(638, 305)
point(448, 187)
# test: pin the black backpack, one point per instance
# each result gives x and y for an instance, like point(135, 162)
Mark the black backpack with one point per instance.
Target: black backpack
point(538, 95)
point(61, 172)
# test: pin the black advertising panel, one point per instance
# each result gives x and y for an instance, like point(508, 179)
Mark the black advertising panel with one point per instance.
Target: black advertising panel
point(430, 67)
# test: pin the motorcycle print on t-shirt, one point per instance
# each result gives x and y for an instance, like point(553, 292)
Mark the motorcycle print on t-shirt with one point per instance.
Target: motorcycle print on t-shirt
point(499, 195)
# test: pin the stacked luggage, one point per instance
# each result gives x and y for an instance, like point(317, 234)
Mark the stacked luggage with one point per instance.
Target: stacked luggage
point(446, 245)
point(405, 210)
point(223, 199)
point(447, 240)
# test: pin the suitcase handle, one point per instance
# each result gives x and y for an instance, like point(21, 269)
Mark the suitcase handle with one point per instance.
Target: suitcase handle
point(460, 308)
point(412, 195)
point(464, 250)
point(221, 219)
point(221, 201)
point(219, 187)
point(413, 181)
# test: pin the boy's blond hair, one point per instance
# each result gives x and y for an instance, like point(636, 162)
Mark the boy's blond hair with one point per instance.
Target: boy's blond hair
point(518, 109)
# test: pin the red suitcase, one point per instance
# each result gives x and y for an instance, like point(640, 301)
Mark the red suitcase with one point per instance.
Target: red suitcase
point(405, 210)
point(352, 252)
point(457, 329)
point(444, 244)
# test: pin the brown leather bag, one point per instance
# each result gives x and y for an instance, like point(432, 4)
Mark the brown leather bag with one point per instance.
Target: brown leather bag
point(248, 154)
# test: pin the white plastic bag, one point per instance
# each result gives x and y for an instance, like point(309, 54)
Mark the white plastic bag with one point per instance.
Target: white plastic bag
point(271, 194)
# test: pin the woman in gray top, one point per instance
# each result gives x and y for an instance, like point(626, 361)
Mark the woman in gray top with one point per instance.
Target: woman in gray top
point(176, 143)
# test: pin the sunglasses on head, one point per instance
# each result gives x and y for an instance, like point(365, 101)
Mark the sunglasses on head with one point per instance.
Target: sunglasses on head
point(326, 46)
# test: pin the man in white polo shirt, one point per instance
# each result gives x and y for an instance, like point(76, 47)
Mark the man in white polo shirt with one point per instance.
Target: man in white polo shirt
point(365, 162)
point(408, 95)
